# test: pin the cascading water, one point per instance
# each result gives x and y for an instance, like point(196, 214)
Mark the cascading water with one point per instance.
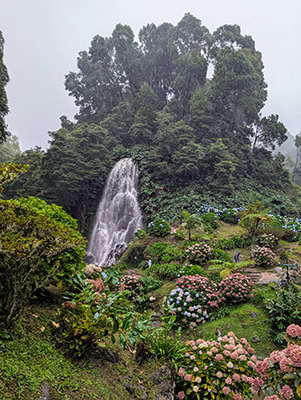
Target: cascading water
point(118, 214)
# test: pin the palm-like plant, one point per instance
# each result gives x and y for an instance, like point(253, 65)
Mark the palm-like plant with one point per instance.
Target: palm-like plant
point(191, 222)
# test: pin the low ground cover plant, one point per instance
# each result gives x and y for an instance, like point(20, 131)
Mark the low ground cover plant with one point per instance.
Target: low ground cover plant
point(223, 369)
point(164, 271)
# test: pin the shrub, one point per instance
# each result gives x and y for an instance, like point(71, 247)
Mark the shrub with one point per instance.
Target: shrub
point(210, 219)
point(134, 254)
point(219, 254)
point(229, 215)
point(159, 227)
point(164, 271)
point(193, 300)
point(163, 344)
point(149, 284)
point(194, 270)
point(235, 288)
point(284, 310)
point(280, 373)
point(263, 256)
point(180, 235)
point(267, 240)
point(217, 369)
point(132, 284)
point(165, 253)
point(30, 245)
point(85, 318)
point(199, 253)
point(140, 234)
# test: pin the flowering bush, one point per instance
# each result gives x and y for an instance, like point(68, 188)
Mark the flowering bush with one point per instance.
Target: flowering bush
point(159, 227)
point(132, 284)
point(199, 253)
point(229, 215)
point(223, 369)
point(280, 374)
point(267, 240)
point(194, 298)
point(263, 256)
point(235, 288)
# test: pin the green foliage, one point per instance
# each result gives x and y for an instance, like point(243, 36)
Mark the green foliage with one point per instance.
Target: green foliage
point(165, 344)
point(210, 219)
point(219, 254)
point(88, 316)
point(194, 270)
point(229, 216)
point(10, 171)
point(9, 149)
point(180, 235)
point(233, 243)
point(140, 234)
point(284, 310)
point(164, 271)
point(68, 263)
point(162, 252)
point(134, 254)
point(30, 242)
point(159, 227)
point(149, 284)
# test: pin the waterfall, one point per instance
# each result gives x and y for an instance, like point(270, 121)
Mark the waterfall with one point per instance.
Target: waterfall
point(118, 214)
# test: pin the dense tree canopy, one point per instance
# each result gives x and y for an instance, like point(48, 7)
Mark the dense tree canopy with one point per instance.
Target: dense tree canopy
point(154, 99)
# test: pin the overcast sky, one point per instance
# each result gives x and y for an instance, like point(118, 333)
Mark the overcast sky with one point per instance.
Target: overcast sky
point(43, 38)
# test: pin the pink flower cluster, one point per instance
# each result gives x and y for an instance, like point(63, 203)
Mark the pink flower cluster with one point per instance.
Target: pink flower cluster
point(267, 240)
point(199, 253)
point(228, 365)
point(207, 290)
point(263, 256)
point(281, 371)
point(294, 331)
point(235, 288)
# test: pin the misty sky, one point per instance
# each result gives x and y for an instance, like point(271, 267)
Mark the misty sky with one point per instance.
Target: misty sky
point(43, 38)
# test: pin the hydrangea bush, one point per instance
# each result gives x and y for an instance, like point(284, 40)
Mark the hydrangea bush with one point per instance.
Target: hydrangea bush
point(193, 300)
point(199, 253)
point(236, 288)
point(280, 374)
point(267, 240)
point(159, 227)
point(263, 256)
point(223, 369)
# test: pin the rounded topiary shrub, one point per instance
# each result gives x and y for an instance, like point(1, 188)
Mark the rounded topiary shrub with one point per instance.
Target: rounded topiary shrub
point(199, 253)
point(223, 369)
point(235, 288)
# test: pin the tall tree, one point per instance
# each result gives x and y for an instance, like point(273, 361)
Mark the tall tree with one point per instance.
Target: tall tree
point(269, 132)
point(4, 79)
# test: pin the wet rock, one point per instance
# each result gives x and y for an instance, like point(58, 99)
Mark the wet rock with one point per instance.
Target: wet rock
point(129, 388)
